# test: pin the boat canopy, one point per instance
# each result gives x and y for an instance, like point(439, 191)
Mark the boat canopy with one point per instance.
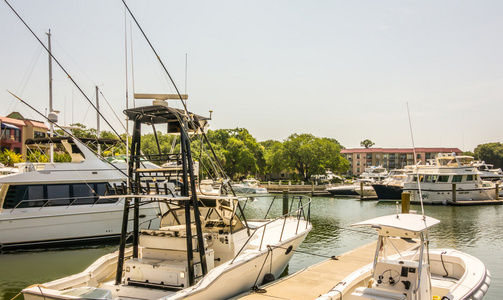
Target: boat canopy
point(400, 225)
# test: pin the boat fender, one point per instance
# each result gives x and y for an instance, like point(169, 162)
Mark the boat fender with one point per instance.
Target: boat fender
point(288, 250)
point(268, 278)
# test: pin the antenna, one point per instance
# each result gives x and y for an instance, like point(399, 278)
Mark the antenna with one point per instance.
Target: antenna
point(414, 151)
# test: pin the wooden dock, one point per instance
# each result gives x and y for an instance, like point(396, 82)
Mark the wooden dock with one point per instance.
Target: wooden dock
point(313, 281)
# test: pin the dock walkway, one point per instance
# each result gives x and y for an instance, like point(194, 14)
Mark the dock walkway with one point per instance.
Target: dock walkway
point(313, 281)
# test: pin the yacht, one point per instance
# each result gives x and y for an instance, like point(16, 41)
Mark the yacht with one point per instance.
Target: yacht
point(55, 204)
point(368, 177)
point(391, 188)
point(207, 247)
point(489, 172)
point(451, 180)
point(419, 274)
point(249, 186)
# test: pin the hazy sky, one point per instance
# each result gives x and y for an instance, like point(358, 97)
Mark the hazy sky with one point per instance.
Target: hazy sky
point(338, 69)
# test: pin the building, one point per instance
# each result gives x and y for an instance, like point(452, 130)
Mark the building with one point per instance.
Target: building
point(15, 130)
point(389, 158)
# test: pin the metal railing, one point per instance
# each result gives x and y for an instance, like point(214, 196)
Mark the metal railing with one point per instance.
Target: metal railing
point(303, 212)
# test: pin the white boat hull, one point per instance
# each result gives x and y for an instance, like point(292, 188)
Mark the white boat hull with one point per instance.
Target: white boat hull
point(32, 227)
point(221, 282)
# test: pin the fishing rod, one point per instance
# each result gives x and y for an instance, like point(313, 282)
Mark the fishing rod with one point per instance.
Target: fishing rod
point(64, 70)
point(66, 132)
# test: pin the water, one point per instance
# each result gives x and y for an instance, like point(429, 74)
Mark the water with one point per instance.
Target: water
point(476, 230)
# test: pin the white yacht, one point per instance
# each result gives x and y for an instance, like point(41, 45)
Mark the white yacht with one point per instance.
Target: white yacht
point(452, 180)
point(391, 188)
point(208, 247)
point(489, 172)
point(249, 186)
point(368, 177)
point(412, 275)
point(53, 204)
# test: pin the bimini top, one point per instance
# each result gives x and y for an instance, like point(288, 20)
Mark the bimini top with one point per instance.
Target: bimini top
point(400, 225)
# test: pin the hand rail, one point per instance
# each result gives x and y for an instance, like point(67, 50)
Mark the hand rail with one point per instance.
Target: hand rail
point(299, 213)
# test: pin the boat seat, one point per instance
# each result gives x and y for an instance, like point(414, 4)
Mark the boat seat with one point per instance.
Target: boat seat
point(371, 293)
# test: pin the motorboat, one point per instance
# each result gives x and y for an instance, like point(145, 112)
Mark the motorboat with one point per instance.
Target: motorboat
point(375, 173)
point(249, 186)
point(488, 171)
point(55, 204)
point(5, 170)
point(412, 275)
point(391, 188)
point(451, 180)
point(368, 177)
point(207, 247)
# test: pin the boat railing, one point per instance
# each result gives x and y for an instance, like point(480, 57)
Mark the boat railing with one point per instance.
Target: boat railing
point(62, 202)
point(303, 212)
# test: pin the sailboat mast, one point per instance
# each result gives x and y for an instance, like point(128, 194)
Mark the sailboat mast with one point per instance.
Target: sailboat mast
point(50, 95)
point(98, 119)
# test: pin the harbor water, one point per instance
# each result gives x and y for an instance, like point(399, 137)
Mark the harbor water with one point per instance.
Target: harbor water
point(477, 230)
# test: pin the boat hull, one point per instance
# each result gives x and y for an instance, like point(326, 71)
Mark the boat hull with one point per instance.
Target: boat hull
point(222, 282)
point(63, 225)
point(346, 190)
point(388, 192)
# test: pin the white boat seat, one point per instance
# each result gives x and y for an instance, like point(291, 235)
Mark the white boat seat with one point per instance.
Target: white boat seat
point(377, 294)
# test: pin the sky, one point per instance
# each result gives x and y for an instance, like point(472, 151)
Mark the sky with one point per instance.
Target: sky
point(348, 70)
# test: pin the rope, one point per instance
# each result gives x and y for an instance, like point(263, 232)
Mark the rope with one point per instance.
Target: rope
point(333, 257)
point(33, 285)
point(255, 288)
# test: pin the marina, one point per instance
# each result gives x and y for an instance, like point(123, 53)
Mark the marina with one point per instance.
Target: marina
point(192, 221)
point(474, 230)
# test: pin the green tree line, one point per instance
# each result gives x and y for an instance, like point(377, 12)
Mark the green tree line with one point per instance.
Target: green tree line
point(241, 155)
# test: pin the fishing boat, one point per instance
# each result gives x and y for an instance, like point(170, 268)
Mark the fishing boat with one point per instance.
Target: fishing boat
point(56, 204)
point(451, 180)
point(412, 275)
point(206, 246)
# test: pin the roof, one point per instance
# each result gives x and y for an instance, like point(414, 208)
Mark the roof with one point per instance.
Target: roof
point(37, 124)
point(400, 224)
point(399, 150)
point(12, 121)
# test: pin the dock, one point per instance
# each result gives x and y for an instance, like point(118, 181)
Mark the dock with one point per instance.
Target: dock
point(318, 279)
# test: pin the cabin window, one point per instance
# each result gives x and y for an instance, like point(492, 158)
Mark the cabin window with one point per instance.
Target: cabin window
point(431, 178)
point(34, 195)
point(83, 194)
point(443, 178)
point(58, 194)
point(457, 178)
point(470, 178)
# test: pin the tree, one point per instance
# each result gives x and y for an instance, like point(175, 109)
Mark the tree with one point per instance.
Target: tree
point(491, 153)
point(367, 143)
point(243, 154)
point(309, 155)
point(273, 154)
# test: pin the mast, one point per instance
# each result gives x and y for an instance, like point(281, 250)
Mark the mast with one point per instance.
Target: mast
point(98, 120)
point(51, 132)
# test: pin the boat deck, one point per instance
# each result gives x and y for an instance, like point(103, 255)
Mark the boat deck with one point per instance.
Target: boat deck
point(313, 281)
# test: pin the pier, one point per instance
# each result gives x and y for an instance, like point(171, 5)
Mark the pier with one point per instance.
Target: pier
point(313, 281)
